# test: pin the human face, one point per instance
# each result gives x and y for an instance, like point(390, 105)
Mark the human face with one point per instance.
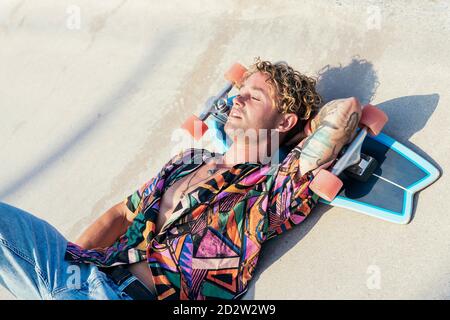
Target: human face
point(253, 107)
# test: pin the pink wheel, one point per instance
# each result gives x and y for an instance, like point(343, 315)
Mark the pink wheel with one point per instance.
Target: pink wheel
point(195, 127)
point(374, 119)
point(326, 185)
point(236, 74)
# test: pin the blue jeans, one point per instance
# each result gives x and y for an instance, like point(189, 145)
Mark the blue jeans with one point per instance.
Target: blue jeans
point(32, 264)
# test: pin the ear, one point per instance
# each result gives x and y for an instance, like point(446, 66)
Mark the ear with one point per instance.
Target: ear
point(287, 122)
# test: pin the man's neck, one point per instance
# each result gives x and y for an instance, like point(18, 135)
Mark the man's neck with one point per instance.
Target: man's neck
point(247, 152)
point(241, 153)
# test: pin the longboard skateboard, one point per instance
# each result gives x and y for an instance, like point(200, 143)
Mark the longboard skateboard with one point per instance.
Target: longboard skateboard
point(388, 193)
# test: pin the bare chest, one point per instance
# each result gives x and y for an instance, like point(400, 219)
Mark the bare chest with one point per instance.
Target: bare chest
point(174, 193)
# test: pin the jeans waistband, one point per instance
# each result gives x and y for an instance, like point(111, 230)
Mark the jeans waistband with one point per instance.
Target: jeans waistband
point(121, 276)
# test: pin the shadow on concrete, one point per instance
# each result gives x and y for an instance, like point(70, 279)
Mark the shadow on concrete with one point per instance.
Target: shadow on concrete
point(357, 79)
point(146, 67)
point(407, 115)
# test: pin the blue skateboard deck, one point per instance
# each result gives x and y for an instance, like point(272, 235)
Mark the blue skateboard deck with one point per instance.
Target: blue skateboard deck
point(389, 192)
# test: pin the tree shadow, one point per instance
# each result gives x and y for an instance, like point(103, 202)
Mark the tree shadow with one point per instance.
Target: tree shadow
point(357, 79)
point(151, 58)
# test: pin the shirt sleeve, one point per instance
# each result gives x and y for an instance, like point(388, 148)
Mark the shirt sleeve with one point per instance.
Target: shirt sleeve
point(290, 199)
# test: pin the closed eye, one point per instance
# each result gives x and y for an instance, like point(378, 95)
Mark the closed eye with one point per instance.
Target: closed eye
point(239, 95)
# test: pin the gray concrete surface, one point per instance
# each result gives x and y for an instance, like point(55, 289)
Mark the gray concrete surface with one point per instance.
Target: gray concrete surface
point(91, 92)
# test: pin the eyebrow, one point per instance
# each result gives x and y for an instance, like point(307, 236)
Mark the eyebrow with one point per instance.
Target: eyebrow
point(258, 89)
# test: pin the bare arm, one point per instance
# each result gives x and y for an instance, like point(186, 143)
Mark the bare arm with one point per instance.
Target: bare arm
point(332, 128)
point(107, 228)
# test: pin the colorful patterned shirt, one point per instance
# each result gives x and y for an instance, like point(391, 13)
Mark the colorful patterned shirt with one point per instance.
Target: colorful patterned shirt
point(209, 247)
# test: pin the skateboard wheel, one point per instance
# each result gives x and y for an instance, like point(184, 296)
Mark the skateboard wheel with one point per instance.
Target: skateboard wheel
point(326, 185)
point(195, 127)
point(374, 119)
point(236, 74)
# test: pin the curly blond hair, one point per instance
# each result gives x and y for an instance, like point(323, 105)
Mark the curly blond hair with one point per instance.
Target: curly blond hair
point(292, 92)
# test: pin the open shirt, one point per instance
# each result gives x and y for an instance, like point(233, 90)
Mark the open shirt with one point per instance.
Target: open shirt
point(209, 247)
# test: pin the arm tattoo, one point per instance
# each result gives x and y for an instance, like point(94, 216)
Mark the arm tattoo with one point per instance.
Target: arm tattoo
point(327, 110)
point(352, 124)
point(318, 149)
point(332, 129)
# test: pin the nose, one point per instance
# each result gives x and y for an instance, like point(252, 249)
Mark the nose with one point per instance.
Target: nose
point(239, 101)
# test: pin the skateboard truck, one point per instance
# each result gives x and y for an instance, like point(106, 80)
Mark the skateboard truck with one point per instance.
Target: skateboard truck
point(353, 162)
point(362, 170)
point(326, 184)
point(217, 106)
